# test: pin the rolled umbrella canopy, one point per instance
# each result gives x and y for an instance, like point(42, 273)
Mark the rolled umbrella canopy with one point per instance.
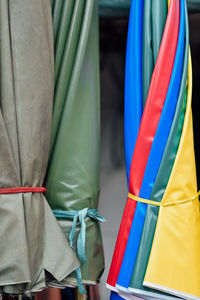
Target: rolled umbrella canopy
point(32, 243)
point(153, 107)
point(178, 220)
point(155, 157)
point(136, 284)
point(72, 179)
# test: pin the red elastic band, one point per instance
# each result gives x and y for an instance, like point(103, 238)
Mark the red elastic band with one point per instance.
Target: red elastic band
point(17, 190)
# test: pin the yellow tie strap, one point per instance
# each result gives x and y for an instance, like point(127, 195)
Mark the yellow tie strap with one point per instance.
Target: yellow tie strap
point(142, 200)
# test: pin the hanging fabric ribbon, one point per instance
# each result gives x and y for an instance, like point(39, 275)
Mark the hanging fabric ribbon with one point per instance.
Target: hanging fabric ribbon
point(79, 216)
point(161, 204)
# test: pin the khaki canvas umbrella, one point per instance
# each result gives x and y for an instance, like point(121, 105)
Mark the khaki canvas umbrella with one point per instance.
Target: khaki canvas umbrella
point(33, 249)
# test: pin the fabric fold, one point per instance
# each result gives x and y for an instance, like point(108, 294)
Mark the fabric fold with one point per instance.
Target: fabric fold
point(133, 100)
point(72, 179)
point(156, 154)
point(30, 254)
point(136, 284)
point(148, 126)
point(179, 225)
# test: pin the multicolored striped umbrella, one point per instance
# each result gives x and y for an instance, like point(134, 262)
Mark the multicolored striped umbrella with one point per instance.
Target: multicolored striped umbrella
point(161, 180)
point(143, 146)
point(166, 171)
point(154, 159)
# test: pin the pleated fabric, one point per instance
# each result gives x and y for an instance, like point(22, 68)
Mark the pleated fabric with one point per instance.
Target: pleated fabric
point(72, 179)
point(161, 77)
point(178, 224)
point(32, 243)
point(154, 159)
point(136, 284)
point(156, 12)
point(154, 266)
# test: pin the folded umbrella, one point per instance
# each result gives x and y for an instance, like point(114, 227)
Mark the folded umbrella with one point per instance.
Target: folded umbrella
point(72, 179)
point(32, 243)
point(136, 284)
point(160, 78)
point(133, 92)
point(153, 107)
point(191, 290)
point(155, 156)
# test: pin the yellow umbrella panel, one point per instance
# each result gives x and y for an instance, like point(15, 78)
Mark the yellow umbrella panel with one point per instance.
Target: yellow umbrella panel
point(174, 264)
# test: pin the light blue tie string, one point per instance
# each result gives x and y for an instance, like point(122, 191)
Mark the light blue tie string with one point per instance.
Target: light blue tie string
point(79, 216)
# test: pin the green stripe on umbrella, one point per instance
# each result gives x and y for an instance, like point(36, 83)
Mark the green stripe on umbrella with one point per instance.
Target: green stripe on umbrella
point(155, 13)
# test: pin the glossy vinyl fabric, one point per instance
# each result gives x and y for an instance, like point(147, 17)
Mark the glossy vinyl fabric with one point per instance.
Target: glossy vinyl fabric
point(179, 224)
point(72, 179)
point(153, 107)
point(63, 15)
point(161, 78)
point(155, 157)
point(133, 100)
point(64, 63)
point(155, 99)
point(133, 81)
point(32, 243)
point(136, 284)
point(154, 18)
point(147, 49)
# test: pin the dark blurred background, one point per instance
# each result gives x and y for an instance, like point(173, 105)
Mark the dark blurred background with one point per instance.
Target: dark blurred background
point(113, 32)
point(194, 22)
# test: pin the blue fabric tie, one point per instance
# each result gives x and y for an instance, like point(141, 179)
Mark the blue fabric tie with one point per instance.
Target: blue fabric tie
point(79, 216)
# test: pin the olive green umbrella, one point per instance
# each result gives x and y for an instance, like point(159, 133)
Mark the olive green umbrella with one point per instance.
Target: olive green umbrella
point(32, 243)
point(72, 180)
